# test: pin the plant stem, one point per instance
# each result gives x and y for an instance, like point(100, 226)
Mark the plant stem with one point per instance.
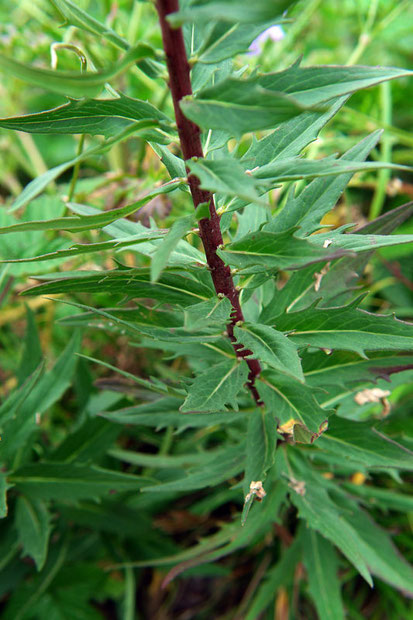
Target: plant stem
point(190, 139)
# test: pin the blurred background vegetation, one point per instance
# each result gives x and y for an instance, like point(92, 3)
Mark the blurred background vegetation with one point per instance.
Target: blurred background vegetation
point(367, 32)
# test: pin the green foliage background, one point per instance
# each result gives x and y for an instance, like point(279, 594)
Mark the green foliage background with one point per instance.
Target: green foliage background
point(81, 540)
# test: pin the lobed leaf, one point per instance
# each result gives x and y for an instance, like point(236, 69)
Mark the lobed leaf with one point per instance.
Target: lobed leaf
point(347, 328)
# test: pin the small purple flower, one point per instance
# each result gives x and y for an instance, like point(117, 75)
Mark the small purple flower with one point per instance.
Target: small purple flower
point(275, 33)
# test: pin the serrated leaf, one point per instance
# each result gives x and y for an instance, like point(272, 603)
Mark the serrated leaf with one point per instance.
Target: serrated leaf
point(172, 287)
point(348, 369)
point(225, 176)
point(160, 258)
point(263, 251)
point(104, 117)
point(72, 482)
point(321, 563)
point(289, 139)
point(364, 446)
point(263, 101)
point(70, 83)
point(339, 281)
point(216, 387)
point(290, 400)
point(347, 328)
point(33, 528)
point(270, 346)
point(213, 312)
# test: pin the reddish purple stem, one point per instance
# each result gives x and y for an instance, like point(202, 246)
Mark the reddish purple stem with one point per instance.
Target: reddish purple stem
point(190, 139)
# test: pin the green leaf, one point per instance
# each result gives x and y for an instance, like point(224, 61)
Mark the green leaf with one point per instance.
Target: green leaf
point(215, 311)
point(216, 387)
point(289, 139)
point(225, 176)
point(228, 465)
point(89, 248)
point(379, 552)
point(51, 386)
point(346, 328)
point(178, 230)
point(281, 573)
point(263, 251)
point(226, 40)
point(33, 528)
point(32, 353)
point(10, 407)
point(347, 369)
point(172, 287)
point(320, 561)
point(88, 443)
point(237, 109)
point(165, 412)
point(98, 218)
point(339, 281)
point(105, 117)
point(290, 400)
point(261, 444)
point(270, 346)
point(230, 11)
point(164, 461)
point(315, 506)
point(4, 486)
point(73, 84)
point(320, 196)
point(381, 498)
point(364, 446)
point(79, 18)
point(174, 165)
point(35, 187)
point(360, 243)
point(262, 101)
point(72, 482)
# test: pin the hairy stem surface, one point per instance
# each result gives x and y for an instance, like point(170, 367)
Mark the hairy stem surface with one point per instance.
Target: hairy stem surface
point(190, 139)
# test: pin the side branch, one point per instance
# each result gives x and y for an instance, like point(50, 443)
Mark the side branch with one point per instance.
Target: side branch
point(190, 139)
